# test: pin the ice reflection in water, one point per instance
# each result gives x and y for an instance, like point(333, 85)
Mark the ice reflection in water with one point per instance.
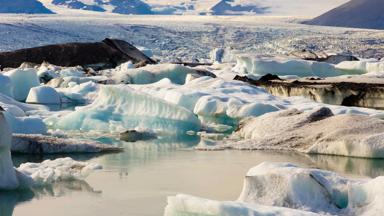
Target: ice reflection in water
point(138, 180)
point(10, 199)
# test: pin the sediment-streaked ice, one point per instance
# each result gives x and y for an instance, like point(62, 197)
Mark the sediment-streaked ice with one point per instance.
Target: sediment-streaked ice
point(318, 131)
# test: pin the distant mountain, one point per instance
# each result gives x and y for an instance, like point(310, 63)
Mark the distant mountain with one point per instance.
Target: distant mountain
point(236, 7)
point(173, 7)
point(356, 13)
point(23, 6)
point(113, 6)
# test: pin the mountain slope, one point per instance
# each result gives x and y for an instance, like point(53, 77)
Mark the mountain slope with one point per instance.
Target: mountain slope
point(22, 6)
point(113, 6)
point(356, 13)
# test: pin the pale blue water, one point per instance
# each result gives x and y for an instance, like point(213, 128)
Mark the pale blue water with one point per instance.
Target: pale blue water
point(138, 180)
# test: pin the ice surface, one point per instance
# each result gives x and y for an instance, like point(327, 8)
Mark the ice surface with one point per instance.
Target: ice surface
point(186, 205)
point(8, 176)
point(347, 135)
point(26, 124)
point(23, 79)
point(79, 93)
point(286, 189)
point(283, 67)
point(5, 85)
point(62, 169)
point(45, 144)
point(218, 102)
point(119, 108)
point(151, 73)
point(361, 67)
point(43, 95)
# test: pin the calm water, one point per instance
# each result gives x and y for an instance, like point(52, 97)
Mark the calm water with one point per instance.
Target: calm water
point(138, 181)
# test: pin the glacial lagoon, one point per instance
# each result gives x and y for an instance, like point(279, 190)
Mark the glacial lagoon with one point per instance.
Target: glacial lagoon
point(138, 180)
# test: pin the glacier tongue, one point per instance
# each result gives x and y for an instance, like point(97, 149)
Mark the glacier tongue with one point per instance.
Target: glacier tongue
point(118, 108)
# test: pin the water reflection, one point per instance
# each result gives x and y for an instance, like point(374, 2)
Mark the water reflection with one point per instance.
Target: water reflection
point(140, 153)
point(349, 165)
point(10, 199)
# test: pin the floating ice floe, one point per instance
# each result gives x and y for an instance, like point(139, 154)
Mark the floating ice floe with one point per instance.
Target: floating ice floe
point(119, 108)
point(318, 131)
point(62, 169)
point(286, 189)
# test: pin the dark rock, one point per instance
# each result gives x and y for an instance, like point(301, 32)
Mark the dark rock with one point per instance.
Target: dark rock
point(134, 135)
point(269, 77)
point(99, 55)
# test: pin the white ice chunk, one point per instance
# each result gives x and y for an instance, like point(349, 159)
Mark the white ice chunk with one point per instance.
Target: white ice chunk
point(23, 79)
point(283, 67)
point(62, 169)
point(43, 95)
point(152, 73)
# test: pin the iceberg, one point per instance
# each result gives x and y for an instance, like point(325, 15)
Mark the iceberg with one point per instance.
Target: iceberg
point(151, 73)
point(43, 95)
point(286, 189)
point(284, 67)
point(23, 79)
point(119, 108)
point(346, 134)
